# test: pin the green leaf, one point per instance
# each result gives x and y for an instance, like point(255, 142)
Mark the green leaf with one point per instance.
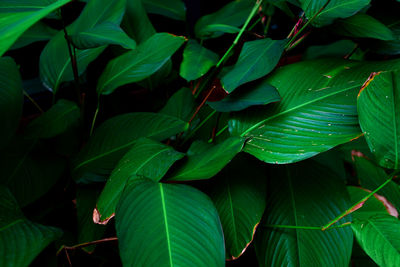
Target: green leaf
point(113, 139)
point(305, 195)
point(229, 17)
point(240, 198)
point(139, 63)
point(168, 225)
point(362, 25)
point(261, 94)
point(103, 34)
point(38, 32)
point(146, 158)
point(372, 176)
point(375, 205)
point(29, 170)
point(381, 126)
point(180, 105)
point(336, 49)
point(59, 118)
point(257, 59)
point(380, 238)
point(55, 63)
point(174, 9)
point(333, 10)
point(388, 47)
point(197, 60)
point(11, 99)
point(20, 239)
point(317, 112)
point(85, 203)
point(208, 163)
point(17, 16)
point(136, 15)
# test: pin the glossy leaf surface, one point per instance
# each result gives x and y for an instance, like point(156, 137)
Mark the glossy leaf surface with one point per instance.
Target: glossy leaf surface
point(168, 225)
point(317, 112)
point(146, 158)
point(180, 105)
point(304, 195)
point(38, 32)
point(114, 137)
point(174, 9)
point(378, 107)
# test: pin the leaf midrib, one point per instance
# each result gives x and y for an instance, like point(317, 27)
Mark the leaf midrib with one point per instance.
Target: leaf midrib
point(293, 202)
point(164, 210)
point(396, 152)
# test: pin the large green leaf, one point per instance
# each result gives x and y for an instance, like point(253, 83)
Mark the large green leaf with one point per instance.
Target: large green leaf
point(208, 162)
point(362, 25)
point(139, 63)
point(174, 9)
point(378, 107)
point(11, 99)
point(239, 194)
point(113, 138)
point(38, 32)
point(20, 239)
point(146, 158)
point(256, 60)
point(180, 105)
point(372, 176)
point(59, 118)
point(55, 63)
point(227, 19)
point(333, 10)
point(29, 169)
point(17, 16)
point(103, 34)
point(379, 236)
point(168, 225)
point(317, 112)
point(136, 15)
point(261, 93)
point(197, 60)
point(336, 49)
point(305, 195)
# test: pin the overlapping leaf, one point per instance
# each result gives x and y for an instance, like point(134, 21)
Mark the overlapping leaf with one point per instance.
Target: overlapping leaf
point(180, 105)
point(38, 32)
point(378, 107)
point(146, 158)
point(17, 16)
point(11, 99)
point(208, 161)
point(174, 9)
point(168, 225)
point(317, 112)
point(113, 138)
point(21, 240)
point(305, 195)
point(139, 63)
point(239, 194)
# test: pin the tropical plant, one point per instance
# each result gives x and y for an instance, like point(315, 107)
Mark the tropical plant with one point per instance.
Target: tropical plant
point(200, 133)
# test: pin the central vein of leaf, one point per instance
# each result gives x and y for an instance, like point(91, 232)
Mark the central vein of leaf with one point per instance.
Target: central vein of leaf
point(166, 223)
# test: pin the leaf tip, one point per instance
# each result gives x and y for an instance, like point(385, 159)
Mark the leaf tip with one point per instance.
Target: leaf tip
point(97, 217)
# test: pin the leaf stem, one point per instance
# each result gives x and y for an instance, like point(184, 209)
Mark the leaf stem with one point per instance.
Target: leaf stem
point(95, 116)
point(33, 101)
point(218, 133)
point(199, 126)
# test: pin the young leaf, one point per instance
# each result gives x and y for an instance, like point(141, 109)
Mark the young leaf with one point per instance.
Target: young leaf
point(174, 9)
point(239, 195)
point(11, 99)
point(261, 94)
point(304, 195)
point(38, 32)
point(164, 224)
point(257, 59)
point(227, 19)
point(59, 118)
point(317, 111)
point(379, 237)
point(331, 9)
point(197, 60)
point(146, 158)
point(381, 126)
point(114, 137)
point(20, 239)
point(139, 63)
point(180, 105)
point(17, 16)
point(208, 163)
point(362, 25)
point(103, 34)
